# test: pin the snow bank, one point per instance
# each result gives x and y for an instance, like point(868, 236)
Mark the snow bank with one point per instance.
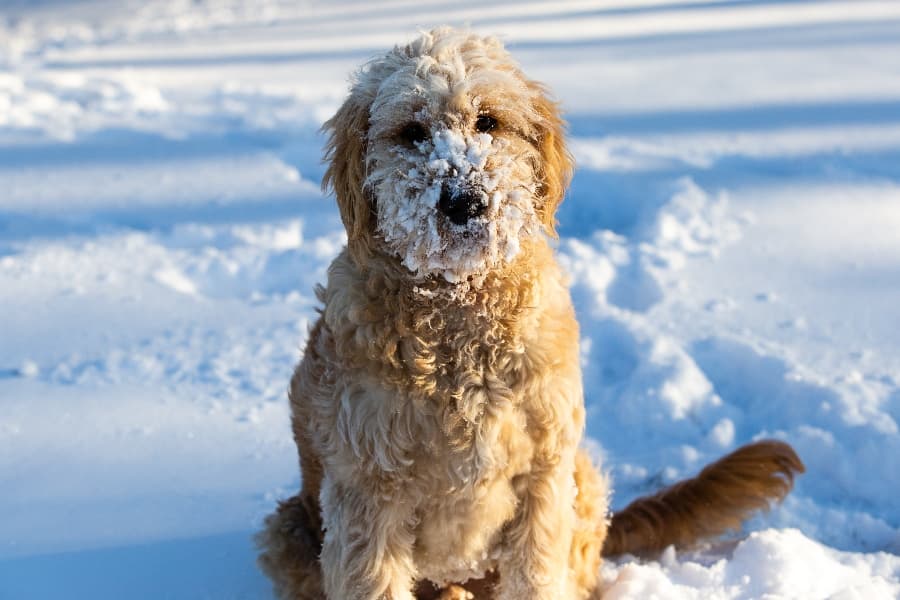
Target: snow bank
point(768, 564)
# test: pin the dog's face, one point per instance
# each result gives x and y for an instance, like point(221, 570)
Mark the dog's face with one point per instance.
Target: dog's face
point(446, 158)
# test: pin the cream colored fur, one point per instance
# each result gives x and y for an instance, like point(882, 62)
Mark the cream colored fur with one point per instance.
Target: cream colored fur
point(438, 407)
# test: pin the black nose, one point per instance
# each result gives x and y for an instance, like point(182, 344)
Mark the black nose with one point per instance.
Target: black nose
point(462, 205)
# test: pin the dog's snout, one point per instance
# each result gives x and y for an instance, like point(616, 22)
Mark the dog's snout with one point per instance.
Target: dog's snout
point(462, 205)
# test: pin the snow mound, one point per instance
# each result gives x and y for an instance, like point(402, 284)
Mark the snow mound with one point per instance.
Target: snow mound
point(768, 564)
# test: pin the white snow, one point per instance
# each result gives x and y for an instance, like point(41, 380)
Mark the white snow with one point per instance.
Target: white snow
point(731, 234)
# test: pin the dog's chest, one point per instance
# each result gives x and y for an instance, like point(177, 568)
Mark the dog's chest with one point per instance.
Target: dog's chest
point(469, 493)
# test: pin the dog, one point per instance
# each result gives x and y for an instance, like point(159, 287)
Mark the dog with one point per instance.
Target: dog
point(438, 406)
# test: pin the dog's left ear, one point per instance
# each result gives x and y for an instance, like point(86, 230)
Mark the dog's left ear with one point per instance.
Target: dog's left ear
point(557, 163)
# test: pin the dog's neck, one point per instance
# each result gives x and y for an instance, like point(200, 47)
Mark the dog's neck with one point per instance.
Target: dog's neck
point(419, 335)
point(498, 294)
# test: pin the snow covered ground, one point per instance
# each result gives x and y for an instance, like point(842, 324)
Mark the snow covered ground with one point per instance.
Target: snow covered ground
point(733, 234)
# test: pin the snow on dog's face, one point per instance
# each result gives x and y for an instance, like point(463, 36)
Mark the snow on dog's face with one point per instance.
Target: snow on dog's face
point(446, 157)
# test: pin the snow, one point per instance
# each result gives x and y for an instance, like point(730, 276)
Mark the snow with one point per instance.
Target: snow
point(731, 235)
point(768, 564)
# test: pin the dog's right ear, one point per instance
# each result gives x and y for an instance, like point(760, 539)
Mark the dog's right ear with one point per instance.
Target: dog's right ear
point(345, 153)
point(557, 164)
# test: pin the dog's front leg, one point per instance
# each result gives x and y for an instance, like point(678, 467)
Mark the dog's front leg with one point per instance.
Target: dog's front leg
point(367, 550)
point(535, 563)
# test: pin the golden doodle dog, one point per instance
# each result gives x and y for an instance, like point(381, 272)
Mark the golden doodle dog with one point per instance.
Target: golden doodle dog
point(438, 407)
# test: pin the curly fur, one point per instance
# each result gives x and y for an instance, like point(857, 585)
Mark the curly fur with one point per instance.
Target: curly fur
point(438, 407)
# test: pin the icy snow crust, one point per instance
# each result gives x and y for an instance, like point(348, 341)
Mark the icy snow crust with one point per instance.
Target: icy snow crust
point(730, 233)
point(429, 243)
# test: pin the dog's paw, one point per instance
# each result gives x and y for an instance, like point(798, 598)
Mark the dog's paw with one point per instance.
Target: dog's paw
point(455, 592)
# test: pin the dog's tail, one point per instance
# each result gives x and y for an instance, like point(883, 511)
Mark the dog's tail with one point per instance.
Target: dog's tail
point(719, 499)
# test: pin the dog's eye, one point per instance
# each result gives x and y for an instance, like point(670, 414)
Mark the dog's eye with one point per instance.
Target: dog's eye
point(485, 123)
point(413, 133)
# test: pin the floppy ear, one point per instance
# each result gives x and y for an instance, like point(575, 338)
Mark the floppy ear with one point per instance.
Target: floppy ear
point(557, 163)
point(345, 153)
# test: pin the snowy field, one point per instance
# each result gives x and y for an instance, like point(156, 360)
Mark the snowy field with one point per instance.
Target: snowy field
point(733, 235)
